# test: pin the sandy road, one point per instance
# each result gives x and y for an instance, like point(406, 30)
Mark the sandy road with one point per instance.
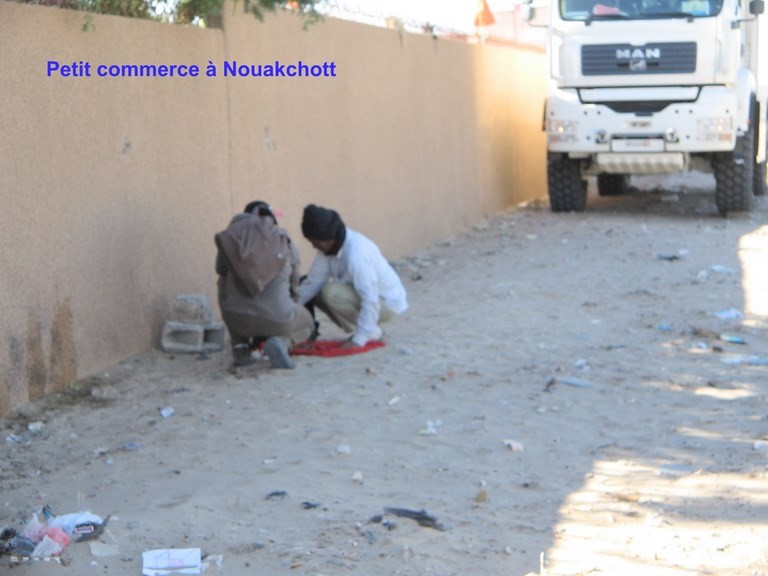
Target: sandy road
point(568, 388)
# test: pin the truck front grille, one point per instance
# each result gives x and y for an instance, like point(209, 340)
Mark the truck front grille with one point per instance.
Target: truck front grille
point(640, 107)
point(656, 58)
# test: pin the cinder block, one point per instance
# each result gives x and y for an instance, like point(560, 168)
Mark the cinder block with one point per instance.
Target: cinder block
point(191, 308)
point(213, 336)
point(192, 337)
point(182, 337)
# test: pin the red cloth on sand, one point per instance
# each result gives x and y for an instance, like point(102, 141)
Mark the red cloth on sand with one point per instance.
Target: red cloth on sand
point(332, 348)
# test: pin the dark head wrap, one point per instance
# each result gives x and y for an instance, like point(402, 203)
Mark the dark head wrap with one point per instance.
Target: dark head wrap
point(260, 208)
point(323, 224)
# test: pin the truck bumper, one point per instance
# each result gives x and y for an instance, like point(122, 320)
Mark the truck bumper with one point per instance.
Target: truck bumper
point(640, 163)
point(641, 130)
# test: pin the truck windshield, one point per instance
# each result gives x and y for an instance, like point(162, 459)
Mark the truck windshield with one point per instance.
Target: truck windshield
point(590, 10)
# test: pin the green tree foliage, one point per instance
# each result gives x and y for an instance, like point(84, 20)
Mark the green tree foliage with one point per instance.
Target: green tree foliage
point(199, 12)
point(209, 11)
point(188, 10)
point(130, 8)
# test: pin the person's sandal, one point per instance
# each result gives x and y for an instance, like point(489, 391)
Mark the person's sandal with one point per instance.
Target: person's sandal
point(241, 355)
point(277, 352)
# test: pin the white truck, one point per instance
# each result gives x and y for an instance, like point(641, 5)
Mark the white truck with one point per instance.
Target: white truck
point(655, 87)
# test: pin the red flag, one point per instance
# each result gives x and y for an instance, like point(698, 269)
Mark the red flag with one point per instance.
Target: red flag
point(484, 16)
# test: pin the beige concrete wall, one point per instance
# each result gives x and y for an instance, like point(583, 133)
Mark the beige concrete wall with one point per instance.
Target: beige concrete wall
point(416, 136)
point(112, 188)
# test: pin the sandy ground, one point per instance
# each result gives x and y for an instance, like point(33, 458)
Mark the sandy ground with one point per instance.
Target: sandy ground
point(561, 398)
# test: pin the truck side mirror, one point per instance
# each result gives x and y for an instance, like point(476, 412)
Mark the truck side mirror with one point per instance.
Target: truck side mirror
point(527, 11)
point(536, 12)
point(757, 7)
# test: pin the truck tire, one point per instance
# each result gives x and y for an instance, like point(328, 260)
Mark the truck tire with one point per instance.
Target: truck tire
point(760, 179)
point(734, 174)
point(567, 189)
point(612, 184)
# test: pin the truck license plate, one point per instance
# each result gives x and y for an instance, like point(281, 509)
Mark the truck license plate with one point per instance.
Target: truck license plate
point(638, 145)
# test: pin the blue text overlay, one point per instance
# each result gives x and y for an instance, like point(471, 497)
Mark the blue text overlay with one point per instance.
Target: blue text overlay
point(228, 69)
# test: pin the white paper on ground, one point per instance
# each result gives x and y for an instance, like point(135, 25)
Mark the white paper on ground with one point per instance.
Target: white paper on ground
point(168, 561)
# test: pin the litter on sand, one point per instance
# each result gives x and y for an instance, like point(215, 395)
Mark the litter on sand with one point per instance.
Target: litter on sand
point(568, 381)
point(49, 537)
point(420, 516)
point(729, 314)
point(732, 339)
point(169, 561)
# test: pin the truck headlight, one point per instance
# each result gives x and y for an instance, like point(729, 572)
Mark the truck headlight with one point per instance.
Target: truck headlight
point(562, 130)
point(715, 129)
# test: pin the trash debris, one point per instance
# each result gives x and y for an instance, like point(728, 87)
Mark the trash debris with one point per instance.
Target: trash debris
point(582, 364)
point(357, 477)
point(167, 561)
point(49, 537)
point(722, 269)
point(568, 381)
point(84, 525)
point(35, 427)
point(420, 516)
point(611, 347)
point(6, 536)
point(732, 339)
point(370, 536)
point(748, 360)
point(431, 428)
point(379, 519)
point(276, 494)
point(513, 445)
point(729, 314)
point(669, 257)
point(15, 438)
point(213, 560)
point(167, 412)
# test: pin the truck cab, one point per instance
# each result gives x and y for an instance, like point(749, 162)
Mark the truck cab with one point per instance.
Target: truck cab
point(654, 87)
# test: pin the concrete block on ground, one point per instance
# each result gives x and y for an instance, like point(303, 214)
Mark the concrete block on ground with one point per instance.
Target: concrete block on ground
point(192, 337)
point(213, 336)
point(191, 308)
